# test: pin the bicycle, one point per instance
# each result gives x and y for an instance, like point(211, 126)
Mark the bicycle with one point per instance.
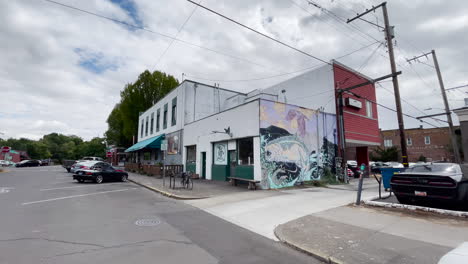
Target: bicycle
point(187, 181)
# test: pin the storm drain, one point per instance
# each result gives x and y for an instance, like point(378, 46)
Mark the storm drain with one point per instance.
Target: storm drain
point(147, 222)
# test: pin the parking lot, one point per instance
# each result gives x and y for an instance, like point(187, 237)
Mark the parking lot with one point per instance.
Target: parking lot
point(49, 218)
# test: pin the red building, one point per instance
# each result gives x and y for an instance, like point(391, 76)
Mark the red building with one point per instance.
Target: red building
point(14, 155)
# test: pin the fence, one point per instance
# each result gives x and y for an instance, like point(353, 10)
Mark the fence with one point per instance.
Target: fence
point(156, 170)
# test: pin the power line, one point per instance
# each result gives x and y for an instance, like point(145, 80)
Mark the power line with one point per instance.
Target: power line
point(457, 87)
point(278, 75)
point(157, 33)
point(388, 108)
point(258, 32)
point(176, 35)
point(369, 58)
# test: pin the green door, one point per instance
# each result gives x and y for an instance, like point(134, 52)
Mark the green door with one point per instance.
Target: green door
point(203, 165)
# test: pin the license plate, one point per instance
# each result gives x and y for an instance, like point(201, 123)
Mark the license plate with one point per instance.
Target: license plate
point(418, 193)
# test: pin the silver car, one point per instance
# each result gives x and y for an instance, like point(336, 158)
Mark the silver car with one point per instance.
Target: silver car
point(83, 165)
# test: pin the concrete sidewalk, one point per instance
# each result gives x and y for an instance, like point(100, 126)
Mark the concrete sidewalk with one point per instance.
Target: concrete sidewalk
point(352, 234)
point(262, 211)
point(201, 188)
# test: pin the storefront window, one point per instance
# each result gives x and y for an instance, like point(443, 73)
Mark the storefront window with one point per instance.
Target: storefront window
point(191, 154)
point(147, 155)
point(245, 147)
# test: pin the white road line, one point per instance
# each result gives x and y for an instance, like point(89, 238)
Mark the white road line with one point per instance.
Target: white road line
point(81, 186)
point(80, 195)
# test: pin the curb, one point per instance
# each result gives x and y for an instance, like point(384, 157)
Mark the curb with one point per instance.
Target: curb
point(460, 214)
point(316, 254)
point(168, 194)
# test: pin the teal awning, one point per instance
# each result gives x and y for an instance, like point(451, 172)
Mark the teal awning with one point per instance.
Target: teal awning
point(150, 143)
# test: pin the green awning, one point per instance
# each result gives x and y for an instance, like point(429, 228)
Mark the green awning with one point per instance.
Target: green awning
point(150, 143)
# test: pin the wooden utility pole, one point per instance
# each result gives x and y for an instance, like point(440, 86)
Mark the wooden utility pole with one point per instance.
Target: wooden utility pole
point(446, 104)
point(389, 37)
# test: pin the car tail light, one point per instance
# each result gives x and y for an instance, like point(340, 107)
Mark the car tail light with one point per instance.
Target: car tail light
point(119, 170)
point(446, 184)
point(89, 173)
point(84, 167)
point(401, 181)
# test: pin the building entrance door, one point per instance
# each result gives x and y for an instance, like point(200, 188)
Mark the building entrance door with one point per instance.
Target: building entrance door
point(203, 165)
point(232, 163)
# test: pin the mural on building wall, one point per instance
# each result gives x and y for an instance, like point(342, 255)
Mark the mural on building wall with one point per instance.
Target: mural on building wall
point(173, 143)
point(296, 144)
point(220, 153)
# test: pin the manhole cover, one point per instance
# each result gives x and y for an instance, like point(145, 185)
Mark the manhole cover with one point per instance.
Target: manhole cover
point(147, 222)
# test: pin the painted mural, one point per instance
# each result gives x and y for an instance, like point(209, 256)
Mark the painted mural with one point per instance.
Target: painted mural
point(173, 143)
point(296, 144)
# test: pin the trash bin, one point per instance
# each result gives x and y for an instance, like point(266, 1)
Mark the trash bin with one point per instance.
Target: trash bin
point(387, 174)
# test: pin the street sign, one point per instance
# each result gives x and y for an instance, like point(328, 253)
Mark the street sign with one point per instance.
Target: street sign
point(109, 154)
point(6, 149)
point(164, 144)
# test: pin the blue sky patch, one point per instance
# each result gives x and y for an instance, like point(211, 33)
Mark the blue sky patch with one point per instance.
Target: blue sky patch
point(95, 62)
point(129, 7)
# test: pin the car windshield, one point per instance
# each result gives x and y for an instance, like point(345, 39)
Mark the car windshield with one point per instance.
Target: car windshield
point(24, 161)
point(442, 168)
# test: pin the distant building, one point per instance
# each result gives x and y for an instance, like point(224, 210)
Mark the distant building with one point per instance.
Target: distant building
point(14, 156)
point(432, 143)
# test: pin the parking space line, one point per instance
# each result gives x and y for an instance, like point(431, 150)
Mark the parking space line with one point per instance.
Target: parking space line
point(79, 195)
point(81, 186)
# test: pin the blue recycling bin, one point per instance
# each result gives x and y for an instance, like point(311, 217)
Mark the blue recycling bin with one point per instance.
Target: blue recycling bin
point(387, 174)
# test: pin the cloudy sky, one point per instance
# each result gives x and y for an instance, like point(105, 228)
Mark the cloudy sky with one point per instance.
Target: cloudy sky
point(62, 69)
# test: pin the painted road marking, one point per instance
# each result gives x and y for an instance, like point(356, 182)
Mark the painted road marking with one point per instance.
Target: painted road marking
point(74, 196)
point(5, 189)
point(81, 186)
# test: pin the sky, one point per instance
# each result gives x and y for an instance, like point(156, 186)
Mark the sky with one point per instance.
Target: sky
point(62, 70)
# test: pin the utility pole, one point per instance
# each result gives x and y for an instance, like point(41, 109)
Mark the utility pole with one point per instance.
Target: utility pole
point(446, 104)
point(389, 37)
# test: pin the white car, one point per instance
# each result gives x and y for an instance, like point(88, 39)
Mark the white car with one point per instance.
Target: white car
point(83, 165)
point(394, 164)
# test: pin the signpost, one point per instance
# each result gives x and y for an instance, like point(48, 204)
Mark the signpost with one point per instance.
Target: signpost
point(109, 154)
point(6, 150)
point(164, 149)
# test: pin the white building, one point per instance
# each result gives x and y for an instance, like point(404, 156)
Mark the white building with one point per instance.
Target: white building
point(279, 136)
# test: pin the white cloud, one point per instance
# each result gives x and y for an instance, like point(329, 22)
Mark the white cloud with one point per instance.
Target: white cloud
point(47, 90)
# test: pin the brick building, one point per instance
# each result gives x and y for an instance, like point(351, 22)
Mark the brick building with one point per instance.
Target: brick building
point(432, 143)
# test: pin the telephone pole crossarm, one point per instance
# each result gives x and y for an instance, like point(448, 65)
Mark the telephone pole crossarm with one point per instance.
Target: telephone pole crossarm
point(429, 116)
point(369, 82)
point(366, 12)
point(420, 56)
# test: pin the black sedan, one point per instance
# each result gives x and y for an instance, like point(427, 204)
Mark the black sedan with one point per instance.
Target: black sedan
point(28, 163)
point(100, 172)
point(432, 182)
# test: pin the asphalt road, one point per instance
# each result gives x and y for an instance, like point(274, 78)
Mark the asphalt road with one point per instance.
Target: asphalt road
point(46, 217)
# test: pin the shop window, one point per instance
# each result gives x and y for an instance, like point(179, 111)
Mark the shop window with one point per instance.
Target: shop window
point(245, 150)
point(152, 123)
point(158, 114)
point(147, 155)
point(174, 112)
point(191, 154)
point(165, 117)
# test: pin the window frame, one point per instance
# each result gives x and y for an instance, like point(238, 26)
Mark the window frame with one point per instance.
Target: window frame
point(427, 142)
point(409, 141)
point(174, 112)
point(165, 116)
point(142, 127)
point(158, 118)
point(152, 123)
point(146, 128)
point(369, 110)
point(388, 145)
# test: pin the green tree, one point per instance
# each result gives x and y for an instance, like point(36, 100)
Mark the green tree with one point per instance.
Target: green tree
point(135, 98)
point(385, 154)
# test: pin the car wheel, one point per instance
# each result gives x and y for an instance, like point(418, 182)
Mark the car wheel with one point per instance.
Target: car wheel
point(98, 179)
point(80, 180)
point(68, 170)
point(124, 178)
point(404, 200)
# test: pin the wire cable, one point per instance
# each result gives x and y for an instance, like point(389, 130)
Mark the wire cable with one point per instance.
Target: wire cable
point(260, 33)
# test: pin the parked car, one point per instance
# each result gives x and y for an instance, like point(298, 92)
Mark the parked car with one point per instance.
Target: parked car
point(68, 164)
point(92, 158)
point(436, 181)
point(3, 163)
point(28, 163)
point(45, 162)
point(99, 172)
point(394, 164)
point(353, 166)
point(375, 168)
point(82, 165)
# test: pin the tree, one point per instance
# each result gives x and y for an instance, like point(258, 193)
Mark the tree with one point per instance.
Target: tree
point(385, 154)
point(135, 98)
